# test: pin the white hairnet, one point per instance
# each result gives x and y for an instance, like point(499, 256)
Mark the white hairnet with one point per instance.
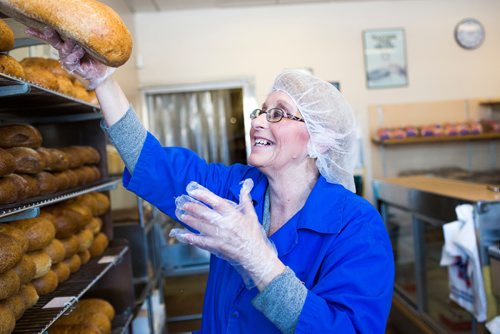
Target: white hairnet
point(330, 122)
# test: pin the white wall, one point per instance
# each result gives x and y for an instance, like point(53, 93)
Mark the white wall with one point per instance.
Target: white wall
point(258, 42)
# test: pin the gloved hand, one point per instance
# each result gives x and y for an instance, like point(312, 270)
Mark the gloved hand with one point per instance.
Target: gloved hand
point(229, 231)
point(74, 58)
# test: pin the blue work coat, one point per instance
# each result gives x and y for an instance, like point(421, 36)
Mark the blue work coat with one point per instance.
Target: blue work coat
point(336, 245)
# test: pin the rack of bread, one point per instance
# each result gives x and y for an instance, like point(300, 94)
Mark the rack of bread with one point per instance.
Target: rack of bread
point(61, 270)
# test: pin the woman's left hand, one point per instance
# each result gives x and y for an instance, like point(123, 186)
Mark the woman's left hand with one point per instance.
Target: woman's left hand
point(229, 231)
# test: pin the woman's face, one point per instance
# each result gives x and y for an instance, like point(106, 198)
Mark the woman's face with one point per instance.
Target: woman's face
point(282, 146)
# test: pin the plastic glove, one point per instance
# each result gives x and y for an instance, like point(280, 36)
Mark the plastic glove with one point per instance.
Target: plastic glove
point(74, 58)
point(227, 230)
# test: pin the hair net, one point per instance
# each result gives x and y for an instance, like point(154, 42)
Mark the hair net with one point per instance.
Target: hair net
point(330, 122)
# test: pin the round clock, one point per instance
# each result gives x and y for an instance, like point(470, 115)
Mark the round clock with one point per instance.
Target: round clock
point(469, 33)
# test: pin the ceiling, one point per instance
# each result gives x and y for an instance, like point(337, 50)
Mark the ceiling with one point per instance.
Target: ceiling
point(166, 5)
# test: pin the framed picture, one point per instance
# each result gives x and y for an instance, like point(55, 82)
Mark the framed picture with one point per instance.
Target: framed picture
point(385, 58)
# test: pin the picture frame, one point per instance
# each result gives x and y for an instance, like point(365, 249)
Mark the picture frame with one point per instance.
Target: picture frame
point(385, 58)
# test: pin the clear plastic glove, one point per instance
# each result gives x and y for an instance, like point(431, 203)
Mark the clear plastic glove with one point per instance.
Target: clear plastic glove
point(227, 230)
point(74, 58)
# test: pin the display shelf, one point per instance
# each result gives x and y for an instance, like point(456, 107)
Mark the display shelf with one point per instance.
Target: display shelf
point(37, 101)
point(38, 318)
point(20, 208)
point(419, 140)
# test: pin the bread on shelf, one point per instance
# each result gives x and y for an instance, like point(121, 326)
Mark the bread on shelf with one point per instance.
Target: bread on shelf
point(29, 294)
point(13, 135)
point(42, 262)
point(25, 269)
point(99, 244)
point(10, 252)
point(7, 320)
point(6, 37)
point(46, 284)
point(56, 251)
point(9, 284)
point(62, 271)
point(39, 231)
point(7, 162)
point(15, 304)
point(17, 234)
point(10, 66)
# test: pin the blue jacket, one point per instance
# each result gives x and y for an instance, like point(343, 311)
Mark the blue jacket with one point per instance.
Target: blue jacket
point(336, 245)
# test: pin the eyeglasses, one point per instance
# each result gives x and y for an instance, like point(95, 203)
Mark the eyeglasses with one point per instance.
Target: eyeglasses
point(274, 115)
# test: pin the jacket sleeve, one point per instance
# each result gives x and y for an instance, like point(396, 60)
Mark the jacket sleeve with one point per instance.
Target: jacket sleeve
point(353, 290)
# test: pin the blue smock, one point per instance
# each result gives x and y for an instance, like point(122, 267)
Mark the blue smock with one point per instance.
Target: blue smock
point(336, 245)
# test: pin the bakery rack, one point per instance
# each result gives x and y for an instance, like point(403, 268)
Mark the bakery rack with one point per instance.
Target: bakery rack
point(38, 318)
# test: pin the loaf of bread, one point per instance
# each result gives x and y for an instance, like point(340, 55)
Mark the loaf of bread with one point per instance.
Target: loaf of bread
point(62, 271)
point(17, 234)
point(62, 180)
point(10, 66)
point(99, 244)
point(85, 239)
point(27, 160)
point(29, 294)
point(46, 284)
point(25, 269)
point(83, 328)
point(53, 159)
point(89, 305)
point(21, 186)
point(9, 284)
point(47, 183)
point(102, 202)
point(64, 221)
point(74, 263)
point(7, 320)
point(10, 252)
point(15, 304)
point(71, 246)
point(40, 77)
point(39, 231)
point(8, 190)
point(94, 25)
point(6, 37)
point(83, 214)
point(89, 201)
point(7, 163)
point(42, 262)
point(84, 256)
point(76, 317)
point(56, 251)
point(95, 225)
point(32, 186)
point(13, 135)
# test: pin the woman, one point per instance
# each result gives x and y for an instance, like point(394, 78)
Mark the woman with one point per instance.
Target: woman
point(296, 250)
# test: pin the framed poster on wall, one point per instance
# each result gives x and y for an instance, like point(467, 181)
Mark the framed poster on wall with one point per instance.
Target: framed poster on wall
point(385, 58)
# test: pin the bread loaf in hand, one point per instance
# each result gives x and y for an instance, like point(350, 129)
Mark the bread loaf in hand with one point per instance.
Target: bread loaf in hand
point(94, 25)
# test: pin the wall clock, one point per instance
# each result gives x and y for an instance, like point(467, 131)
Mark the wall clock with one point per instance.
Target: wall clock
point(469, 33)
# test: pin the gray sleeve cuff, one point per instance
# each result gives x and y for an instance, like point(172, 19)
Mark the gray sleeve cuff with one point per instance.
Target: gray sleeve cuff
point(128, 136)
point(282, 301)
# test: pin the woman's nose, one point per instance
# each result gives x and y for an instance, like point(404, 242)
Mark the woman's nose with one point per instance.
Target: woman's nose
point(259, 121)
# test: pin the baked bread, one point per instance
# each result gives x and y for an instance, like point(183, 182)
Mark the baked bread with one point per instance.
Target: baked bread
point(95, 225)
point(15, 304)
point(56, 251)
point(39, 231)
point(13, 135)
point(75, 156)
point(40, 77)
point(47, 183)
point(9, 284)
point(46, 284)
point(94, 25)
point(85, 239)
point(99, 244)
point(103, 203)
point(84, 256)
point(20, 184)
point(83, 328)
point(89, 201)
point(65, 221)
point(6, 37)
point(53, 159)
point(82, 213)
point(76, 317)
point(32, 186)
point(8, 190)
point(7, 320)
point(62, 180)
point(27, 160)
point(42, 262)
point(17, 234)
point(71, 246)
point(10, 252)
point(7, 163)
point(89, 305)
point(62, 271)
point(29, 294)
point(25, 269)
point(10, 66)
point(74, 263)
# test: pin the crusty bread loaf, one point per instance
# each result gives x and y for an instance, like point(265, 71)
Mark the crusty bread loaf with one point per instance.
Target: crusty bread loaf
point(39, 231)
point(89, 305)
point(10, 66)
point(62, 180)
point(62, 271)
point(74, 263)
point(56, 251)
point(102, 202)
point(46, 284)
point(84, 256)
point(78, 317)
point(85, 239)
point(82, 213)
point(7, 320)
point(29, 294)
point(47, 183)
point(25, 269)
point(41, 77)
point(9, 284)
point(32, 186)
point(65, 221)
point(17, 234)
point(7, 163)
point(15, 304)
point(27, 160)
point(99, 244)
point(6, 37)
point(54, 159)
point(42, 262)
point(10, 252)
point(95, 225)
point(21, 185)
point(8, 190)
point(71, 246)
point(94, 25)
point(13, 135)
point(89, 201)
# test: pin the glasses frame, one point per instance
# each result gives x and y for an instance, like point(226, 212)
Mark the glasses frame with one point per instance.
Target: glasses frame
point(257, 112)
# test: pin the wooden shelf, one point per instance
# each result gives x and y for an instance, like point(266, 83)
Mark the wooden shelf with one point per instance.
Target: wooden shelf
point(419, 140)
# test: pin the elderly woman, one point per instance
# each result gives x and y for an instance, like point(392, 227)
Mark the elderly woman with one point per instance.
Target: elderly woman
point(294, 249)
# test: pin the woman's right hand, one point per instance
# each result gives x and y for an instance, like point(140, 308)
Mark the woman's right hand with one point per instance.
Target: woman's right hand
point(74, 58)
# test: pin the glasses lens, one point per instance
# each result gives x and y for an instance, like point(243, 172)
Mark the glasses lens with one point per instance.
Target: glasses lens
point(255, 113)
point(274, 115)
